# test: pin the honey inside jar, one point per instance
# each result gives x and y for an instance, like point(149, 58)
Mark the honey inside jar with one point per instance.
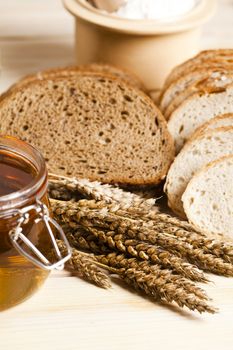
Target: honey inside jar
point(15, 173)
point(19, 277)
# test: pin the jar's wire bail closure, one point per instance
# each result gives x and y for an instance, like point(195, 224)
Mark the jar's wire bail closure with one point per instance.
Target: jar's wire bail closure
point(37, 257)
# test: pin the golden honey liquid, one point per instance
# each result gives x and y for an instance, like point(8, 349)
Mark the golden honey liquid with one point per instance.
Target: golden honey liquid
point(19, 278)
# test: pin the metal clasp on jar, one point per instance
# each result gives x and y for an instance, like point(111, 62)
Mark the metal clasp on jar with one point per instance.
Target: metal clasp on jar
point(16, 235)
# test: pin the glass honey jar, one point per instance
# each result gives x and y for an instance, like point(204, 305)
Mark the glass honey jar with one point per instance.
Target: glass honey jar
point(28, 248)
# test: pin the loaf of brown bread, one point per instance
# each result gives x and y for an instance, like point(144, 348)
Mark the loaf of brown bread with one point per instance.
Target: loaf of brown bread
point(70, 71)
point(91, 126)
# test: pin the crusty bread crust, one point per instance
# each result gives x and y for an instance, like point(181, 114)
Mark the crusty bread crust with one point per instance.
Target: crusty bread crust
point(224, 55)
point(110, 70)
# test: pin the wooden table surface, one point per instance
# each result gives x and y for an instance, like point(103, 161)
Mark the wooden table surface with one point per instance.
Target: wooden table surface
point(68, 313)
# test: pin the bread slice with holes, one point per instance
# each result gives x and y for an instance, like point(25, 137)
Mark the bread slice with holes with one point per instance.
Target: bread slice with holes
point(208, 199)
point(179, 86)
point(206, 58)
point(199, 151)
point(91, 126)
point(70, 71)
point(199, 108)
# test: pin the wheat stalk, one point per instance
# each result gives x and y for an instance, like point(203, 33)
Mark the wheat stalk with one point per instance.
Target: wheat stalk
point(95, 240)
point(174, 228)
point(150, 279)
point(85, 267)
point(81, 238)
point(102, 218)
point(174, 221)
point(58, 191)
point(160, 288)
point(166, 290)
point(197, 240)
point(87, 217)
point(101, 192)
point(197, 256)
point(121, 261)
point(66, 188)
point(137, 229)
point(145, 251)
point(109, 217)
point(113, 240)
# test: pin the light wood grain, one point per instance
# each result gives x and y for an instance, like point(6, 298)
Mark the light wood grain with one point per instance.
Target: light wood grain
point(70, 314)
point(67, 313)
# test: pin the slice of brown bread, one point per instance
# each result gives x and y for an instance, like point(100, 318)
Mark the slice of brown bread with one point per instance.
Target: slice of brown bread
point(183, 83)
point(69, 71)
point(207, 56)
point(91, 126)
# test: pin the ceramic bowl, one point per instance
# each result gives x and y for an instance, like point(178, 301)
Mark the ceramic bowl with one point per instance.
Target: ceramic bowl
point(149, 48)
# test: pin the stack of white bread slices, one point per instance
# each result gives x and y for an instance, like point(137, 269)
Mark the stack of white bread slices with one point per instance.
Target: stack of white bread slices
point(197, 101)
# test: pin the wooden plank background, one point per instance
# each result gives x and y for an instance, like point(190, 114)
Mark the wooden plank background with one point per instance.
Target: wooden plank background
point(70, 314)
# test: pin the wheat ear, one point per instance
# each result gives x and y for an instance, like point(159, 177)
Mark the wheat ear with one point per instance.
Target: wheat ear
point(137, 229)
point(146, 251)
point(160, 288)
point(99, 192)
point(84, 266)
point(122, 261)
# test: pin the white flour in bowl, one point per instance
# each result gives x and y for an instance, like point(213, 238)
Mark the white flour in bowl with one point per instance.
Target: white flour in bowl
point(155, 9)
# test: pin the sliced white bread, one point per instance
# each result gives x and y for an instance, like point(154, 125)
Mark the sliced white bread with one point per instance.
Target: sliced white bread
point(198, 109)
point(184, 82)
point(199, 151)
point(207, 56)
point(213, 83)
point(91, 126)
point(214, 123)
point(208, 199)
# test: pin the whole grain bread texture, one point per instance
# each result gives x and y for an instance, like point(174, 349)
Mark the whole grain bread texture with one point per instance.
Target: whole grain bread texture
point(91, 126)
point(75, 70)
point(170, 94)
point(208, 198)
point(199, 108)
point(205, 57)
point(199, 151)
